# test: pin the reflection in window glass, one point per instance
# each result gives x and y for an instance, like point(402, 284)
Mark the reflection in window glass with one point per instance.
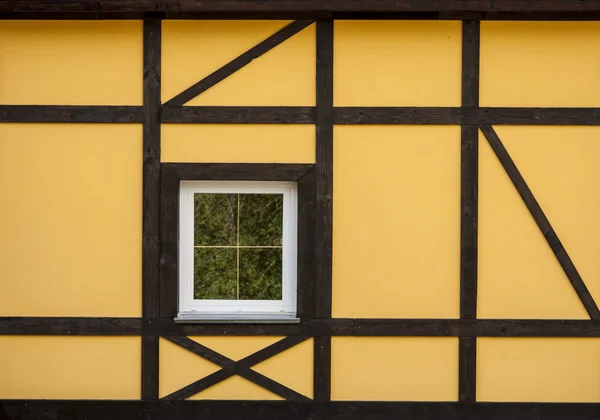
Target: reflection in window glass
point(238, 246)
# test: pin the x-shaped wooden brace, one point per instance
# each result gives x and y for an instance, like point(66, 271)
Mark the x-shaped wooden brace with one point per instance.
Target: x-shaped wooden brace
point(241, 367)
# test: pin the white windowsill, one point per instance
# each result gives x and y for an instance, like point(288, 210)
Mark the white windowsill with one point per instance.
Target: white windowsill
point(237, 319)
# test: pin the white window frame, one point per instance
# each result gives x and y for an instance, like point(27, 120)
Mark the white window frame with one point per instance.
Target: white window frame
point(191, 309)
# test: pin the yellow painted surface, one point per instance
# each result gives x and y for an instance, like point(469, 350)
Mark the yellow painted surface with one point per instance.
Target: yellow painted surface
point(238, 143)
point(292, 368)
point(538, 369)
point(397, 221)
point(387, 63)
point(194, 49)
point(519, 276)
point(70, 367)
point(71, 62)
point(394, 369)
point(236, 348)
point(540, 64)
point(70, 219)
point(179, 367)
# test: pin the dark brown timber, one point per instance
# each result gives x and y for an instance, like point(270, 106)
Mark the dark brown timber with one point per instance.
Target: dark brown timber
point(242, 368)
point(239, 62)
point(306, 241)
point(70, 114)
point(324, 205)
point(467, 115)
point(542, 221)
point(311, 328)
point(151, 203)
point(108, 7)
point(469, 209)
point(239, 115)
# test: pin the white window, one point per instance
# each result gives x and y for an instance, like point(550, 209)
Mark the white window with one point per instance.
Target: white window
point(237, 250)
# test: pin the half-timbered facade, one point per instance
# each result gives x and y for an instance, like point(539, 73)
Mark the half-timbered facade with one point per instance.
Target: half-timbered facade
point(433, 252)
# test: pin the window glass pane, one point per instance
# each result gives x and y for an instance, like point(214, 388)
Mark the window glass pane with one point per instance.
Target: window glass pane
point(215, 273)
point(215, 219)
point(261, 219)
point(260, 273)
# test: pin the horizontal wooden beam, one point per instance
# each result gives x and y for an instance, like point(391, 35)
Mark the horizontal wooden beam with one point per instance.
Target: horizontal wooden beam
point(106, 7)
point(467, 115)
point(239, 115)
point(70, 114)
point(234, 410)
point(302, 115)
point(314, 328)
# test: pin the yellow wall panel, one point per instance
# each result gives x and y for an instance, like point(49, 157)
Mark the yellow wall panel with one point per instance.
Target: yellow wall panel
point(235, 388)
point(70, 367)
point(238, 143)
point(179, 367)
point(560, 165)
point(71, 62)
point(387, 63)
point(194, 49)
point(71, 220)
point(397, 221)
point(236, 348)
point(292, 368)
point(550, 64)
point(394, 369)
point(519, 276)
point(538, 369)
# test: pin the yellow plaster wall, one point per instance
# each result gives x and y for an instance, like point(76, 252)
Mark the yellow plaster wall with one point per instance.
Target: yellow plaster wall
point(396, 219)
point(70, 367)
point(394, 369)
point(519, 276)
point(292, 368)
point(70, 219)
point(397, 63)
point(194, 49)
point(238, 143)
point(547, 64)
point(538, 369)
point(71, 62)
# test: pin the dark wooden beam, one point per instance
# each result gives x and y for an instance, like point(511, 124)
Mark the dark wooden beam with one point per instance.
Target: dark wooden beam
point(542, 221)
point(238, 62)
point(467, 115)
point(70, 114)
point(469, 169)
point(242, 410)
point(107, 7)
point(239, 115)
point(313, 328)
point(324, 206)
point(151, 203)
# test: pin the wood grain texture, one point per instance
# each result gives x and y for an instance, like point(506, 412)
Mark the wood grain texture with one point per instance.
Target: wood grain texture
point(238, 62)
point(306, 241)
point(542, 221)
point(268, 410)
point(69, 326)
point(239, 115)
point(70, 114)
point(108, 7)
point(151, 203)
point(169, 243)
point(238, 171)
point(467, 369)
point(241, 367)
point(312, 328)
point(469, 184)
point(466, 115)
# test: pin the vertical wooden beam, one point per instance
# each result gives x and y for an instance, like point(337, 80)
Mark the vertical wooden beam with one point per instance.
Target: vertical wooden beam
point(324, 205)
point(151, 203)
point(469, 209)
